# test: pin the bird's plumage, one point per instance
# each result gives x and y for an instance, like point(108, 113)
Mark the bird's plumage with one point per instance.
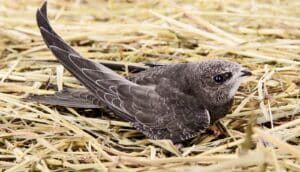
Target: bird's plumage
point(78, 98)
point(174, 102)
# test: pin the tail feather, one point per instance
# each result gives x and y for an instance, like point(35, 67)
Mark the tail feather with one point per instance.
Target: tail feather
point(68, 98)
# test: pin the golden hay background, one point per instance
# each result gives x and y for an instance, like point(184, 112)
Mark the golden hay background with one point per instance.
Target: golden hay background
point(261, 35)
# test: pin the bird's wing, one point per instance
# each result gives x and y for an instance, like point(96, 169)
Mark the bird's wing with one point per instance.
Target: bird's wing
point(68, 97)
point(160, 112)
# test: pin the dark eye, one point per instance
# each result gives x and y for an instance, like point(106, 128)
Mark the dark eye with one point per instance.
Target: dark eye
point(222, 77)
point(219, 78)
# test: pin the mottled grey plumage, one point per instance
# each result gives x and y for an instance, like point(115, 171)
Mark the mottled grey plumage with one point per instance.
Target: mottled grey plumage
point(174, 102)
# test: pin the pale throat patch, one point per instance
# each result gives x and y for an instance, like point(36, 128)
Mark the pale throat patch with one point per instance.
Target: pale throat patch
point(234, 89)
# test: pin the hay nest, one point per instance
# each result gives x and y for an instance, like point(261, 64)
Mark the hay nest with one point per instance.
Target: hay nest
point(261, 133)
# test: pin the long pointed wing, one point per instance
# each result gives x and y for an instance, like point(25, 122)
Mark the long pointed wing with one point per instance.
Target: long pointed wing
point(159, 112)
point(84, 70)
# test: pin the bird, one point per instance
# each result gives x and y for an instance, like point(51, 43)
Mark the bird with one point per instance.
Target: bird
point(175, 102)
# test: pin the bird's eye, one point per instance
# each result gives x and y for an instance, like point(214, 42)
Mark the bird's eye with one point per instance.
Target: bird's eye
point(219, 78)
point(222, 77)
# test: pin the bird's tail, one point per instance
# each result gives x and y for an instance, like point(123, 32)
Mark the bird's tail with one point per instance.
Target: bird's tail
point(77, 98)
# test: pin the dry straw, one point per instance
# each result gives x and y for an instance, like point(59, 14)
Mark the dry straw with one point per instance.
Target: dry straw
point(261, 133)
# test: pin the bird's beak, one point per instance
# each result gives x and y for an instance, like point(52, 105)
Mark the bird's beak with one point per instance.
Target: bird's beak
point(245, 72)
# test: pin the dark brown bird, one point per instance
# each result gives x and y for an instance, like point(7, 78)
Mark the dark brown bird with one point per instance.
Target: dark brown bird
point(174, 102)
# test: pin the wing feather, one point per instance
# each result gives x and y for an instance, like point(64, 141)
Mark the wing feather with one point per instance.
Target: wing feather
point(159, 111)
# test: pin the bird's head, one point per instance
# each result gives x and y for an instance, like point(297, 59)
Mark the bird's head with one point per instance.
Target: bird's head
point(218, 80)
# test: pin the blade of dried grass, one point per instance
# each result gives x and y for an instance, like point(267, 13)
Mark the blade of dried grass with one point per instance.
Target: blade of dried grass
point(282, 146)
point(256, 157)
point(251, 33)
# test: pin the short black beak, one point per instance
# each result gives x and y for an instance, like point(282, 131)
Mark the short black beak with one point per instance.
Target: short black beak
point(246, 72)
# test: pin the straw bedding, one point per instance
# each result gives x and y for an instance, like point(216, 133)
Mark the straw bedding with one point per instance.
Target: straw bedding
point(261, 133)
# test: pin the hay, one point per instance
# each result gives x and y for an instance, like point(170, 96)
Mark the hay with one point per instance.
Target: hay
point(262, 35)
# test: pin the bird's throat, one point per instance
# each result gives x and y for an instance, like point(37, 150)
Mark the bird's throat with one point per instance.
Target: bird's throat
point(219, 111)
